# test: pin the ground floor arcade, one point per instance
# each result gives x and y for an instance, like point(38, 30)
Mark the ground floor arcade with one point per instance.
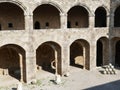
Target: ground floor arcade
point(49, 57)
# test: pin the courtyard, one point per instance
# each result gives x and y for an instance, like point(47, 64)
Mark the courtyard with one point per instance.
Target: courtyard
point(79, 79)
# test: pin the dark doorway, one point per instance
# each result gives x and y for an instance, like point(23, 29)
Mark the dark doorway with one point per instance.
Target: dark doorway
point(99, 53)
point(48, 16)
point(12, 15)
point(37, 25)
point(48, 55)
point(0, 27)
point(117, 55)
point(9, 62)
point(117, 17)
point(80, 15)
point(100, 17)
point(76, 55)
point(68, 24)
point(45, 55)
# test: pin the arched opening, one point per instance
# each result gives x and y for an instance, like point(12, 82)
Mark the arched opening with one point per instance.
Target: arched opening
point(48, 55)
point(117, 17)
point(11, 17)
point(37, 25)
point(99, 53)
point(117, 54)
point(102, 57)
point(79, 15)
point(79, 54)
point(100, 17)
point(12, 62)
point(47, 14)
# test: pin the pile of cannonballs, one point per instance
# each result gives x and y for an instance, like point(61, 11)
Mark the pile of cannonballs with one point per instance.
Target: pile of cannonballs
point(109, 69)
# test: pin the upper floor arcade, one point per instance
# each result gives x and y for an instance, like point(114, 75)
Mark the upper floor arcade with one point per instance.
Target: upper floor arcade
point(14, 16)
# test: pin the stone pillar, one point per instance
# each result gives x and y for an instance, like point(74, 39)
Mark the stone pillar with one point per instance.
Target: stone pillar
point(110, 53)
point(63, 20)
point(28, 22)
point(65, 59)
point(112, 45)
point(108, 20)
point(112, 20)
point(105, 52)
point(93, 54)
point(30, 65)
point(84, 58)
point(91, 21)
point(21, 67)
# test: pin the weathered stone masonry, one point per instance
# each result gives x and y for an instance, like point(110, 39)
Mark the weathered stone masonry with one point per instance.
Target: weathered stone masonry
point(81, 33)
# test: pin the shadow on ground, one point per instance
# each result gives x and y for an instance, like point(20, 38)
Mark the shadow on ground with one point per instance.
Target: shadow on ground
point(115, 85)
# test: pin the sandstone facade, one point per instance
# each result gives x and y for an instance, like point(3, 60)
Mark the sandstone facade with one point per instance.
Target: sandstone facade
point(72, 32)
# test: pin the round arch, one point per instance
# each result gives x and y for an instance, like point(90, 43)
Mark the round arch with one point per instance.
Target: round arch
point(100, 17)
point(102, 50)
point(116, 16)
point(105, 8)
point(115, 54)
point(49, 3)
point(48, 16)
point(80, 54)
point(82, 5)
point(78, 17)
point(46, 54)
point(18, 3)
point(13, 61)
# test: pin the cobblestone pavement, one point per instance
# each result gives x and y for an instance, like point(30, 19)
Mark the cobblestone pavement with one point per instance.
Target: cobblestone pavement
point(78, 80)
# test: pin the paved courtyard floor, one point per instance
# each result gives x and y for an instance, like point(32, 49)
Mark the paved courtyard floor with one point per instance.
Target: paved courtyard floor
point(79, 79)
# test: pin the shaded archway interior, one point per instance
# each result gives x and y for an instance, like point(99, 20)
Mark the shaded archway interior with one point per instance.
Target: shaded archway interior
point(117, 17)
point(79, 54)
point(76, 55)
point(78, 17)
point(11, 17)
point(10, 63)
point(117, 54)
point(45, 55)
point(99, 53)
point(102, 48)
point(100, 17)
point(46, 16)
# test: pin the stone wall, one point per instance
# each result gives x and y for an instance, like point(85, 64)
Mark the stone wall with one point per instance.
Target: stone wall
point(30, 39)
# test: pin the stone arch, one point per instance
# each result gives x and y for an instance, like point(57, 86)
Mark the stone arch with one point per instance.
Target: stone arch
point(80, 54)
point(116, 17)
point(78, 20)
point(47, 54)
point(100, 17)
point(115, 47)
point(82, 5)
point(102, 57)
point(10, 15)
point(48, 16)
point(106, 9)
point(12, 61)
point(18, 3)
point(53, 4)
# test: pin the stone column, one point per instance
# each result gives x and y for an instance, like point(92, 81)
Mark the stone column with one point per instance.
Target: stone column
point(28, 22)
point(112, 20)
point(91, 21)
point(93, 54)
point(63, 20)
point(112, 45)
point(30, 65)
point(110, 53)
point(65, 59)
point(108, 20)
point(105, 52)
point(21, 67)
